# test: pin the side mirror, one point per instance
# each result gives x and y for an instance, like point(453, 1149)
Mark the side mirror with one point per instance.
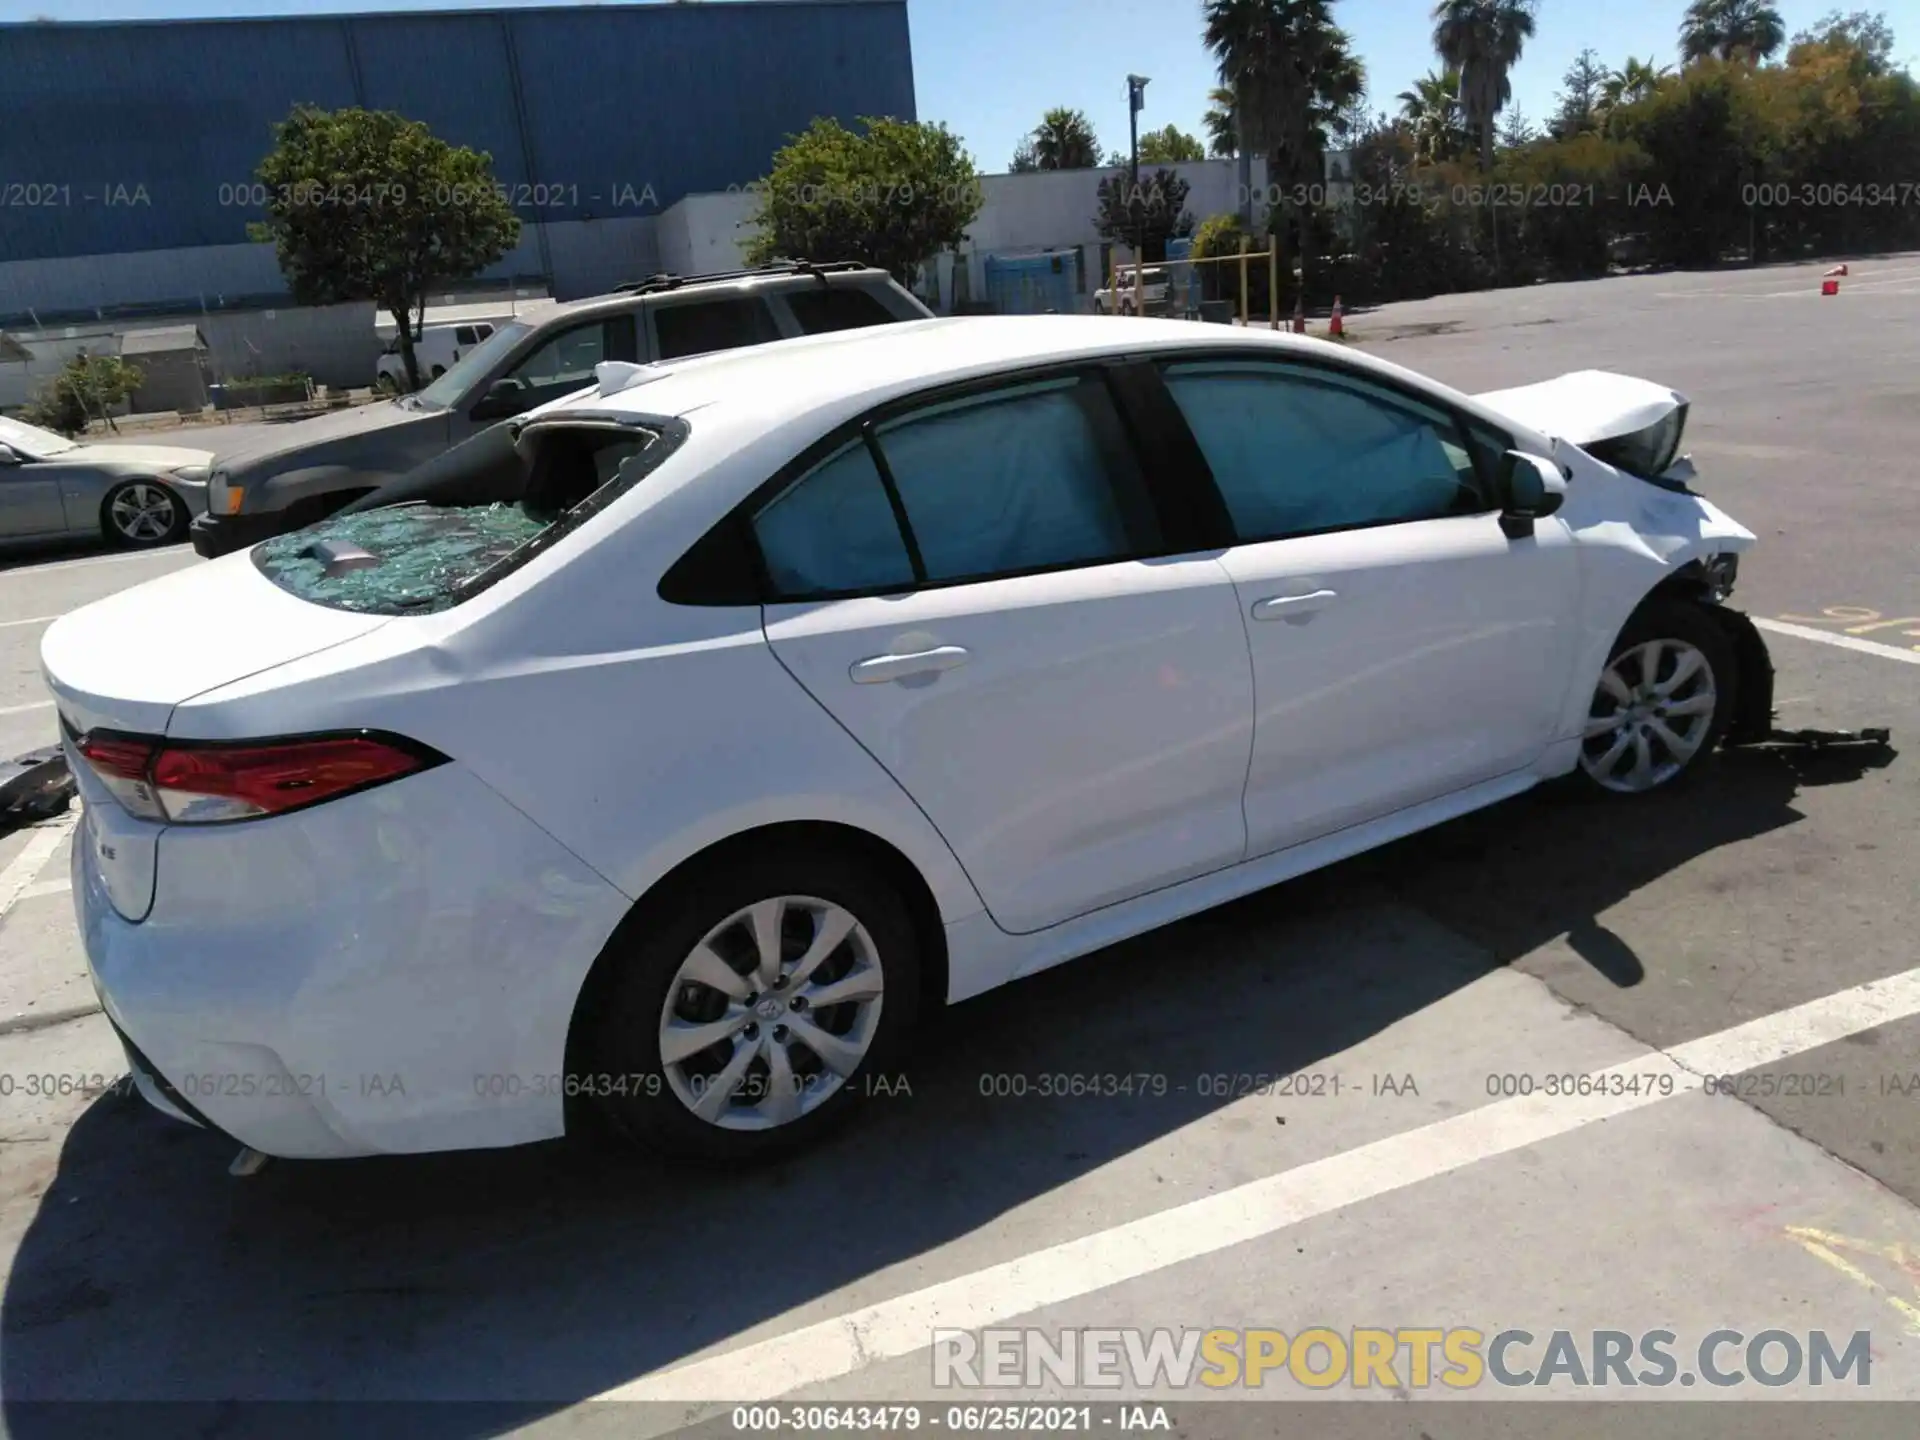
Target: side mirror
point(9, 456)
point(1531, 488)
point(504, 397)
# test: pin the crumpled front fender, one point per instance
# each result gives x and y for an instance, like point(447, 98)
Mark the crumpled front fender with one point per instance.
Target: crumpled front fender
point(1752, 720)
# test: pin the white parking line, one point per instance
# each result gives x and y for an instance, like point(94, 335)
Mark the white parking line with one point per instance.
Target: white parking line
point(1844, 642)
point(25, 867)
point(34, 620)
point(75, 564)
point(23, 709)
point(904, 1324)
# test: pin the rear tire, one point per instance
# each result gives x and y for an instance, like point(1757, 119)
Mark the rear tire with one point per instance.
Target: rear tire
point(704, 966)
point(1663, 702)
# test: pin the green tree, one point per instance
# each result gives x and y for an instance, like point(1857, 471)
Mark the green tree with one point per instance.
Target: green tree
point(1431, 110)
point(1216, 238)
point(1633, 81)
point(1223, 140)
point(1482, 40)
point(1865, 32)
point(1295, 80)
point(1581, 90)
point(1170, 146)
point(1063, 140)
point(1749, 30)
point(1149, 213)
point(1516, 130)
point(87, 388)
point(893, 194)
point(368, 205)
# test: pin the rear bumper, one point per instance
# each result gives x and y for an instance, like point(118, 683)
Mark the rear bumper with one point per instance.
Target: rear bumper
point(394, 972)
point(217, 535)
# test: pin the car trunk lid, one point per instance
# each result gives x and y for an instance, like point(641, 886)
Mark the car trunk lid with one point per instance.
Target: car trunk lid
point(124, 663)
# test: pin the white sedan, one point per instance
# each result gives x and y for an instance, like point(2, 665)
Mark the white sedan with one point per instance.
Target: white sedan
point(672, 750)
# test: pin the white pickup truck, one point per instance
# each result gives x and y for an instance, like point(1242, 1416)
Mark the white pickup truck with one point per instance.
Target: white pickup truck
point(1155, 289)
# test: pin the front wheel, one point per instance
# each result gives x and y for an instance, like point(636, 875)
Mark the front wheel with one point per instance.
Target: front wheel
point(1663, 700)
point(143, 513)
point(751, 1020)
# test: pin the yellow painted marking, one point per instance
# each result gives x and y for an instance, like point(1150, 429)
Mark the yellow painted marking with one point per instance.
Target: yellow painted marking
point(1858, 620)
point(1826, 1247)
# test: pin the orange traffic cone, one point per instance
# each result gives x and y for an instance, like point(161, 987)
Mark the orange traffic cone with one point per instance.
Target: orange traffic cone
point(1333, 326)
point(1300, 314)
point(1829, 287)
point(1838, 270)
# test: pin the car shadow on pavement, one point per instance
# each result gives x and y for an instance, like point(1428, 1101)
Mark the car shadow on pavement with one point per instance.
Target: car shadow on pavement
point(1552, 862)
point(551, 1274)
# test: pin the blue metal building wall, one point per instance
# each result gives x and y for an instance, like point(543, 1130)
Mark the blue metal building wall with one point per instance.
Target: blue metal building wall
point(615, 111)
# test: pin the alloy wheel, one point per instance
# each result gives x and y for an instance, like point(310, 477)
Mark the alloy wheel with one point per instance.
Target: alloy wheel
point(143, 512)
point(771, 1013)
point(1651, 715)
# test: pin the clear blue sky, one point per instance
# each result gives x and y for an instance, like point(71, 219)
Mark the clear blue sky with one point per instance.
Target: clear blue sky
point(988, 68)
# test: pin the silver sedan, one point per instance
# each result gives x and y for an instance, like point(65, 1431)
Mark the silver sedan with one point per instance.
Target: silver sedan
point(140, 495)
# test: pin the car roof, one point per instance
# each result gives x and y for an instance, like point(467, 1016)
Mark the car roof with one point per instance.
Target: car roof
point(639, 299)
point(786, 380)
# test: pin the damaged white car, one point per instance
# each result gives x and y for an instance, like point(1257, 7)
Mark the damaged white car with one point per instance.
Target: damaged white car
point(666, 752)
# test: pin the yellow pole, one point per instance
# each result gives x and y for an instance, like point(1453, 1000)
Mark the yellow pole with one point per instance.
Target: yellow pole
point(1243, 280)
point(1273, 286)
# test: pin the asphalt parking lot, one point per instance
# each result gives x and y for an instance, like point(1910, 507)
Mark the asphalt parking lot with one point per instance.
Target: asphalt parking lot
point(1760, 925)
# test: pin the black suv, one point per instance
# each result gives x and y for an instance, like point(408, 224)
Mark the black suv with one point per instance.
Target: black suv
point(313, 468)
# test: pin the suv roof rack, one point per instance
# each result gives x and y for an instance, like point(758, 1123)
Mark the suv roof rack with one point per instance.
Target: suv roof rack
point(668, 281)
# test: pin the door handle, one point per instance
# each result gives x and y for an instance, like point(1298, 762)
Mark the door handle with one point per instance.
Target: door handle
point(1281, 607)
point(881, 668)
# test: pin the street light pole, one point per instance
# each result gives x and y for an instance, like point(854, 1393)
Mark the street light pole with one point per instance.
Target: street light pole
point(1136, 99)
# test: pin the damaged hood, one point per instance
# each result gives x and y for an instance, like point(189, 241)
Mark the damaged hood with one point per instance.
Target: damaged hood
point(1587, 406)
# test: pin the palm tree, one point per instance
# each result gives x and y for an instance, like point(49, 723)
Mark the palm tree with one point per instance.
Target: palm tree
point(1432, 112)
point(1482, 39)
point(1223, 143)
point(1064, 140)
point(1748, 30)
point(1292, 75)
point(1633, 81)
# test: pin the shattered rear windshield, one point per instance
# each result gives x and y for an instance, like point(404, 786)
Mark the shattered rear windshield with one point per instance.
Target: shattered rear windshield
point(410, 560)
point(452, 527)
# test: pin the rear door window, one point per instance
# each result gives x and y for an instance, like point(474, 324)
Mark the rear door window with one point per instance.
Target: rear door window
point(695, 327)
point(1036, 477)
point(463, 335)
point(839, 307)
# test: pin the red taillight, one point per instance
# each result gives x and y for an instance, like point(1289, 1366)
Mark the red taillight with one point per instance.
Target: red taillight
point(204, 784)
point(121, 763)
